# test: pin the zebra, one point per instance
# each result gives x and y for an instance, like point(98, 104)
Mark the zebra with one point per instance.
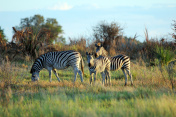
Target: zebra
point(117, 62)
point(58, 60)
point(101, 64)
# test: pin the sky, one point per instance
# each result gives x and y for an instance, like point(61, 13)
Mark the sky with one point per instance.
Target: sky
point(78, 17)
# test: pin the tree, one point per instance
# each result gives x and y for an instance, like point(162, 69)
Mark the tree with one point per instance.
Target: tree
point(37, 22)
point(29, 43)
point(3, 40)
point(107, 33)
point(3, 37)
point(55, 29)
point(174, 29)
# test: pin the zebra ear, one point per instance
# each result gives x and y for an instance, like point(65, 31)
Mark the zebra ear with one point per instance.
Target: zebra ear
point(99, 44)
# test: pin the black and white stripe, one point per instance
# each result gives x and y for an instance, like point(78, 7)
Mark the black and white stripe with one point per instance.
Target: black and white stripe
point(100, 64)
point(58, 60)
point(117, 62)
point(120, 62)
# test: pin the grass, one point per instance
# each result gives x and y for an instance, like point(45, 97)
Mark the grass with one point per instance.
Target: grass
point(63, 101)
point(151, 94)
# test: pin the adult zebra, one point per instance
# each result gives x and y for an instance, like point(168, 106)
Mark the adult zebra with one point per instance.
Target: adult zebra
point(117, 62)
point(58, 60)
point(100, 64)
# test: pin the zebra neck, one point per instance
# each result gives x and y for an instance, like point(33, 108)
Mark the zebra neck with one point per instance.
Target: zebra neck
point(104, 52)
point(37, 66)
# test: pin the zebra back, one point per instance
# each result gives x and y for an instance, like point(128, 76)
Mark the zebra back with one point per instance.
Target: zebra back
point(58, 60)
point(120, 61)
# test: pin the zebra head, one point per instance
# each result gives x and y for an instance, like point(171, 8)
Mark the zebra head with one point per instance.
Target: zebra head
point(90, 59)
point(100, 50)
point(35, 75)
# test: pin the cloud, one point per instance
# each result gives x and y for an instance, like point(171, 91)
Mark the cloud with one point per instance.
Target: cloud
point(63, 6)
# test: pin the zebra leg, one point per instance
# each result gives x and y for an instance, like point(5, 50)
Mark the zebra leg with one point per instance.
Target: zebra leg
point(109, 76)
point(50, 75)
point(106, 77)
point(129, 73)
point(95, 75)
point(75, 74)
point(77, 70)
point(126, 78)
point(103, 78)
point(91, 78)
point(81, 75)
point(55, 72)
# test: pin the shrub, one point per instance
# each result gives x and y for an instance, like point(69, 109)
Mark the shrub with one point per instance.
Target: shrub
point(29, 43)
point(164, 55)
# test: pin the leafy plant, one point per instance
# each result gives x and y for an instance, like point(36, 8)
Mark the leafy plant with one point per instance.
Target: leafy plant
point(164, 55)
point(3, 41)
point(29, 43)
point(174, 29)
point(38, 22)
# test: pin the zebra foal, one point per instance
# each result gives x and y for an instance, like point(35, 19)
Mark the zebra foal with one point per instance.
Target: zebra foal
point(101, 64)
point(117, 62)
point(58, 60)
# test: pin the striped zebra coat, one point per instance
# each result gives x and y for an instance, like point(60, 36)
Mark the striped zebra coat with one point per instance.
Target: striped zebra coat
point(101, 64)
point(117, 62)
point(58, 60)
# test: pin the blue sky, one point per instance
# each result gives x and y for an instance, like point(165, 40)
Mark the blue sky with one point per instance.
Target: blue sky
point(78, 17)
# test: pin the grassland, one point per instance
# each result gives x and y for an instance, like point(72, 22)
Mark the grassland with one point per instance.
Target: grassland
point(151, 95)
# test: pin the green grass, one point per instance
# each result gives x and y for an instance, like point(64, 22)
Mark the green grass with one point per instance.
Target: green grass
point(151, 94)
point(89, 102)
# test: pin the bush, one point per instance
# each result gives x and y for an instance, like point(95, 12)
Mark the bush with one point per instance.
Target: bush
point(164, 55)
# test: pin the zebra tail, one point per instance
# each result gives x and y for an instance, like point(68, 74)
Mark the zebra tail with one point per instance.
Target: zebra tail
point(82, 65)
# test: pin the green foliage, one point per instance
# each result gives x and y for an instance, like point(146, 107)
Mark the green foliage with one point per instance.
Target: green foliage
point(3, 37)
point(157, 52)
point(37, 22)
point(34, 36)
point(164, 55)
point(29, 43)
point(56, 29)
point(3, 42)
point(174, 29)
